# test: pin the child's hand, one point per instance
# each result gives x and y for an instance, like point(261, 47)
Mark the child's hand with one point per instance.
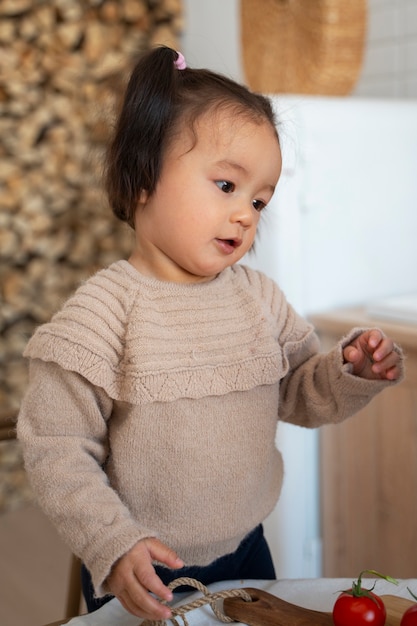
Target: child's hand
point(373, 356)
point(133, 577)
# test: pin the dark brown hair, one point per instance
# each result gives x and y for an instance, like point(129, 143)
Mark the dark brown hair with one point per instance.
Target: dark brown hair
point(158, 98)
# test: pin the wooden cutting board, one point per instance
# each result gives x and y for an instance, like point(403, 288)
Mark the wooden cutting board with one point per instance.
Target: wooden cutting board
point(268, 610)
point(395, 609)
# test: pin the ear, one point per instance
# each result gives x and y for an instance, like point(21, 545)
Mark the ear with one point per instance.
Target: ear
point(143, 197)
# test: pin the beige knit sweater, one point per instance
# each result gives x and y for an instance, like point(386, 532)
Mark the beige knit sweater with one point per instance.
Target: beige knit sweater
point(152, 409)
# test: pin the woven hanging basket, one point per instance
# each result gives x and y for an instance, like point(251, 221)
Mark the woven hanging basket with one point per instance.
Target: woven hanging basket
point(303, 46)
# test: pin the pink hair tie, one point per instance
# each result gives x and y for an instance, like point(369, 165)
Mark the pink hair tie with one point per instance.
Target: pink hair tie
point(180, 63)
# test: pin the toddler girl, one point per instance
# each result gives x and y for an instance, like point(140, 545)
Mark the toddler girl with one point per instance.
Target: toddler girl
point(149, 423)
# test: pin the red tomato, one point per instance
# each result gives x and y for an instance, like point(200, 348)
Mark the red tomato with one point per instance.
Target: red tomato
point(410, 616)
point(362, 610)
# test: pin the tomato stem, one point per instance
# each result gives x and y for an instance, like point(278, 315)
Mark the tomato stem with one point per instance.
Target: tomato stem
point(374, 573)
point(409, 590)
point(357, 590)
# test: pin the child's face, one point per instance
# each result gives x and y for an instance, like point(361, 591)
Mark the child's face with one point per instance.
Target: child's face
point(203, 214)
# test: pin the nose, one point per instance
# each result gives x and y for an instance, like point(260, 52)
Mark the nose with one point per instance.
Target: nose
point(243, 213)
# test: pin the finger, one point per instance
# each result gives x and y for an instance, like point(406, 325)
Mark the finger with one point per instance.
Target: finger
point(143, 605)
point(375, 337)
point(351, 354)
point(388, 362)
point(393, 373)
point(133, 592)
point(126, 583)
point(162, 553)
point(149, 580)
point(385, 348)
point(146, 574)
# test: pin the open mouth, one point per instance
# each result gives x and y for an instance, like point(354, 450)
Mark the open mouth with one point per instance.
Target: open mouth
point(228, 246)
point(234, 243)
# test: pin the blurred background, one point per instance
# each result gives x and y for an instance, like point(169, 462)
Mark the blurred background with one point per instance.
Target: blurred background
point(339, 233)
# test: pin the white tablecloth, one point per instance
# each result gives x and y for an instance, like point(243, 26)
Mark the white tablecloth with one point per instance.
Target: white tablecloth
point(313, 593)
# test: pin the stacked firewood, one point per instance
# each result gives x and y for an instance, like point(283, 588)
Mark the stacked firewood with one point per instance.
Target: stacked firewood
point(62, 67)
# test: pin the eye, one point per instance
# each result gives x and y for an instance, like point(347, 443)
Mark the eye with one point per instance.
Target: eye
point(225, 185)
point(258, 205)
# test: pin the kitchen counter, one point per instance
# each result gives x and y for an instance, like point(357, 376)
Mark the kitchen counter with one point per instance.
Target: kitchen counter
point(316, 593)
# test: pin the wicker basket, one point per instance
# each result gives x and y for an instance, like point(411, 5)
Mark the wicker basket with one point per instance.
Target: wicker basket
point(303, 46)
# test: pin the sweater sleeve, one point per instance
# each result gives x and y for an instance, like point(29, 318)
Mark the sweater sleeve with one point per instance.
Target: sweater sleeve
point(315, 388)
point(63, 431)
point(320, 389)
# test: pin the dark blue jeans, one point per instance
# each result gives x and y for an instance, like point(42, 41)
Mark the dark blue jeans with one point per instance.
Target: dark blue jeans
point(252, 560)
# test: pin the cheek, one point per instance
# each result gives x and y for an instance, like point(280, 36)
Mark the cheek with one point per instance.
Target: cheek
point(256, 222)
point(250, 238)
point(254, 230)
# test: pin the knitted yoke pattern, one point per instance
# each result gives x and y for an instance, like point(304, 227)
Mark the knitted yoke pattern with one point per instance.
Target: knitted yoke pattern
point(114, 331)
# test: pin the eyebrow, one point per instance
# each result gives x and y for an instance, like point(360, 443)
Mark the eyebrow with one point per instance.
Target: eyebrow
point(231, 164)
point(237, 166)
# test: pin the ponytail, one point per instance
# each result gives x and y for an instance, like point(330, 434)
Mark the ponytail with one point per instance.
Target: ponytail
point(135, 154)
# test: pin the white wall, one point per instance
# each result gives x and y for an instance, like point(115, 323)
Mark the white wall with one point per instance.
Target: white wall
point(211, 37)
point(390, 63)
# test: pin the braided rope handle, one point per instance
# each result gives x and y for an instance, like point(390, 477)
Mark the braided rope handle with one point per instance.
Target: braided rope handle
point(208, 598)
